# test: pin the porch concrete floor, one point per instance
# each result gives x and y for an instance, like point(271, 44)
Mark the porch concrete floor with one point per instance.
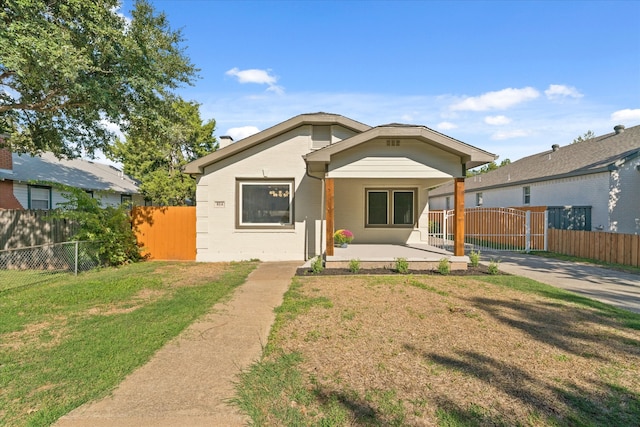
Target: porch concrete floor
point(420, 256)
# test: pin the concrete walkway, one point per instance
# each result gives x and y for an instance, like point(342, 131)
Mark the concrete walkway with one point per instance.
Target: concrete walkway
point(613, 287)
point(189, 381)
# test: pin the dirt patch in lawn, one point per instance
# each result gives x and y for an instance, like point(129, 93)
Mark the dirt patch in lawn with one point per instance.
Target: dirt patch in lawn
point(190, 274)
point(418, 350)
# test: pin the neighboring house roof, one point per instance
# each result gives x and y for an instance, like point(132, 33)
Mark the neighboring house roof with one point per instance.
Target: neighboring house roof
point(77, 173)
point(598, 154)
point(472, 156)
point(197, 166)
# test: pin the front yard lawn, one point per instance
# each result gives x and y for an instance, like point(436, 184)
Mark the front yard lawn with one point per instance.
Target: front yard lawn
point(447, 351)
point(71, 339)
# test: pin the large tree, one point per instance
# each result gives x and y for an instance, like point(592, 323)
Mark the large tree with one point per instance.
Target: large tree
point(154, 152)
point(71, 68)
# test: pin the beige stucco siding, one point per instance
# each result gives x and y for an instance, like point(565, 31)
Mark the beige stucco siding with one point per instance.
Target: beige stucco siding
point(219, 239)
point(408, 159)
point(350, 206)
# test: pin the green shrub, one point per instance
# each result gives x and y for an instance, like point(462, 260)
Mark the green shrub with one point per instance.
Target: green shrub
point(402, 265)
point(474, 258)
point(444, 267)
point(493, 267)
point(110, 226)
point(317, 265)
point(354, 265)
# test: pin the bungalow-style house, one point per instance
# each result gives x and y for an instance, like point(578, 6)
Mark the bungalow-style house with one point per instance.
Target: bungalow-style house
point(25, 181)
point(592, 185)
point(280, 194)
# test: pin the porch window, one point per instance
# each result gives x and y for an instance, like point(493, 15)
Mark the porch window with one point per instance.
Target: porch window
point(390, 207)
point(39, 197)
point(265, 204)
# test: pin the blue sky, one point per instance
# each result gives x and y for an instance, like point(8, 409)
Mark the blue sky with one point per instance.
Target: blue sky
point(510, 77)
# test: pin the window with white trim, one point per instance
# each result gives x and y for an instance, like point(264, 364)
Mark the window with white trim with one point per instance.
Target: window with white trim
point(390, 207)
point(264, 204)
point(479, 199)
point(39, 197)
point(526, 195)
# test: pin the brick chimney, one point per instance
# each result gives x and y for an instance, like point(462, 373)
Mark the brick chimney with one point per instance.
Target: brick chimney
point(5, 157)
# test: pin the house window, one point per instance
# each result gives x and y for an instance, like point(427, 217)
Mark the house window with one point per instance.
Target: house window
point(265, 204)
point(390, 207)
point(448, 203)
point(39, 197)
point(478, 199)
point(126, 199)
point(526, 195)
point(89, 193)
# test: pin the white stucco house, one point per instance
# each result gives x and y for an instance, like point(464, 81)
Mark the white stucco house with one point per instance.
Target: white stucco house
point(592, 185)
point(281, 193)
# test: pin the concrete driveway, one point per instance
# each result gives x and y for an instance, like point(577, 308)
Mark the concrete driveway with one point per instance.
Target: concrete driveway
point(613, 287)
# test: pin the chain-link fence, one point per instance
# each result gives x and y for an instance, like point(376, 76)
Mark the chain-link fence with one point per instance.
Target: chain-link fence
point(32, 264)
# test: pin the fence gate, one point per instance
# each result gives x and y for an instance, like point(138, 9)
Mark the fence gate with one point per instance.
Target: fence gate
point(492, 229)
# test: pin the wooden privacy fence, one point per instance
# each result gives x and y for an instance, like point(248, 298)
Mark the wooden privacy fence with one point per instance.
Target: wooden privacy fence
point(166, 233)
point(598, 245)
point(25, 228)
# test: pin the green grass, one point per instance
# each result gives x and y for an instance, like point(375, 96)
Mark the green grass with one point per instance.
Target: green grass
point(73, 339)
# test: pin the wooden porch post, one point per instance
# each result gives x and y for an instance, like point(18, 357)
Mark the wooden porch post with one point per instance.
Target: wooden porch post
point(458, 230)
point(328, 194)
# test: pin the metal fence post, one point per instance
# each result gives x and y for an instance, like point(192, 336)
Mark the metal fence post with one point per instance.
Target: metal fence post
point(76, 259)
point(527, 231)
point(546, 230)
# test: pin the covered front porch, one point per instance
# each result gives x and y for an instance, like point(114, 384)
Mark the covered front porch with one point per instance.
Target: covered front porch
point(376, 185)
point(420, 256)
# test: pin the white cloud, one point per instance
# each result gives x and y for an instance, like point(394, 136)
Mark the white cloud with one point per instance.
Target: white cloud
point(516, 133)
point(498, 100)
point(497, 120)
point(242, 132)
point(256, 76)
point(446, 126)
point(562, 91)
point(627, 115)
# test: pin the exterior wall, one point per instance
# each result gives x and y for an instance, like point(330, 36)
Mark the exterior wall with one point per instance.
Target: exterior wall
point(350, 207)
point(587, 190)
point(21, 193)
point(218, 238)
point(624, 203)
point(6, 160)
point(7, 198)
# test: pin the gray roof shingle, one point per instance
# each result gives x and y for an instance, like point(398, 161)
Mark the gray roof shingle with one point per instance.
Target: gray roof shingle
point(594, 155)
point(77, 173)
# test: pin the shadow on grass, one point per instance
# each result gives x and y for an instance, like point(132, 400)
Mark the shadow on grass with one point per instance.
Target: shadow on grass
point(560, 404)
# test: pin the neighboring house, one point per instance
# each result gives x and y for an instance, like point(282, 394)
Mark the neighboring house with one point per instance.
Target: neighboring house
point(25, 181)
point(280, 194)
point(590, 185)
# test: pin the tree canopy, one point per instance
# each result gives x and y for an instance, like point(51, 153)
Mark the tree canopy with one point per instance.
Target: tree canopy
point(69, 69)
point(154, 152)
point(582, 138)
point(488, 167)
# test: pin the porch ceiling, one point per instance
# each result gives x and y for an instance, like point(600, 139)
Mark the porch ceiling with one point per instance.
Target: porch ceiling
point(386, 167)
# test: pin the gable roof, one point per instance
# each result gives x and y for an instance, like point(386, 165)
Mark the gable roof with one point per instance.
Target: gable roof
point(198, 165)
point(598, 154)
point(472, 156)
point(77, 173)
